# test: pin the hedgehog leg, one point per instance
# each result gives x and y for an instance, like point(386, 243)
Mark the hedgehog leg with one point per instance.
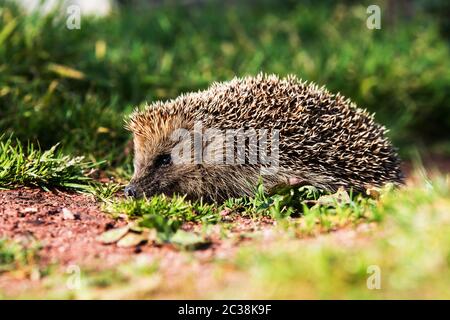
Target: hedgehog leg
point(295, 181)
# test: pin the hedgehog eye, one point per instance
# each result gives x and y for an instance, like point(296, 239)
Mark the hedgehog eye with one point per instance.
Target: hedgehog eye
point(163, 160)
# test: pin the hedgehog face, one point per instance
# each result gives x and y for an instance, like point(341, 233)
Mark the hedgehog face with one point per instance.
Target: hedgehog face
point(157, 171)
point(150, 178)
point(159, 176)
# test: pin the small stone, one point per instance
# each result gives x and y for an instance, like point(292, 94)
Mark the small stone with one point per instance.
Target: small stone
point(67, 214)
point(29, 210)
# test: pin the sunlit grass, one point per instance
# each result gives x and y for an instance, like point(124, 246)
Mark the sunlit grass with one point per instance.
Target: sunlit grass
point(30, 166)
point(411, 248)
point(18, 257)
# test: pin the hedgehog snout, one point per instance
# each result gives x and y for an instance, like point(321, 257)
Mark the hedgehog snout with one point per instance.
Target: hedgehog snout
point(131, 191)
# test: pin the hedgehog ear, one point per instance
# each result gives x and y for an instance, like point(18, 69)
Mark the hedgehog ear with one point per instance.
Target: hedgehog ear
point(138, 142)
point(140, 150)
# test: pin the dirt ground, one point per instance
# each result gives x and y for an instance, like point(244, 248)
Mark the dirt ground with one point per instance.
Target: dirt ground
point(67, 225)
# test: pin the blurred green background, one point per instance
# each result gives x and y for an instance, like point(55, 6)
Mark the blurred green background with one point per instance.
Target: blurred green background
point(75, 86)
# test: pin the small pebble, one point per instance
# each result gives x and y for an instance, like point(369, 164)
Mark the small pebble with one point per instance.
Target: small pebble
point(67, 214)
point(29, 210)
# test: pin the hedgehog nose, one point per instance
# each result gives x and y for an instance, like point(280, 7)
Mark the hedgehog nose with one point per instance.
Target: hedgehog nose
point(130, 191)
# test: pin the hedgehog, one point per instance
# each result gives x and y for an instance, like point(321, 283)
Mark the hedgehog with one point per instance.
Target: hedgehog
point(312, 137)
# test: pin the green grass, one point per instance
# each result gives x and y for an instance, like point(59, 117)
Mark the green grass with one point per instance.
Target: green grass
point(18, 257)
point(164, 215)
point(411, 246)
point(174, 207)
point(30, 166)
point(321, 212)
point(103, 191)
point(120, 282)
